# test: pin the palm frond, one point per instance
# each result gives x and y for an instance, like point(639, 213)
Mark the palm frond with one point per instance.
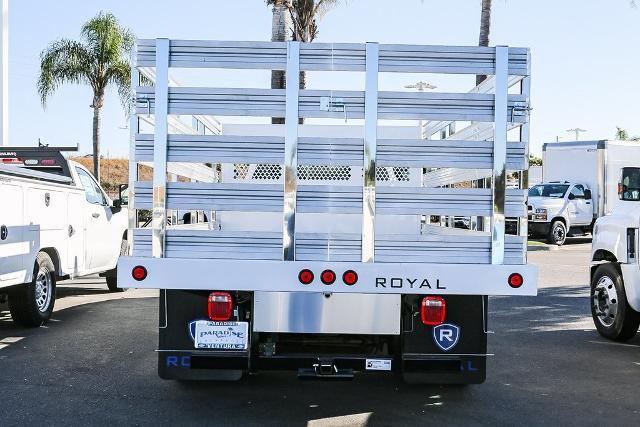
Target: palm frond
point(107, 39)
point(63, 61)
point(324, 6)
point(119, 74)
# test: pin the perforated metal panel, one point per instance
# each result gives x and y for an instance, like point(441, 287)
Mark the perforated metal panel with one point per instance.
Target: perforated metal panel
point(392, 174)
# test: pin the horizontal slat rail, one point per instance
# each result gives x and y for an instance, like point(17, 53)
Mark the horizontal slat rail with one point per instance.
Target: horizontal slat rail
point(271, 103)
point(429, 128)
point(205, 244)
point(446, 153)
point(330, 151)
point(215, 149)
point(331, 199)
point(331, 57)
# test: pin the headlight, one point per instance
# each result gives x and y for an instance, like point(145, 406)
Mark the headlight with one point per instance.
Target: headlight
point(541, 214)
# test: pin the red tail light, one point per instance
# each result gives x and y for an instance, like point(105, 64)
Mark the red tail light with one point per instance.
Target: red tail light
point(12, 160)
point(220, 306)
point(305, 276)
point(433, 310)
point(139, 273)
point(515, 280)
point(350, 277)
point(328, 277)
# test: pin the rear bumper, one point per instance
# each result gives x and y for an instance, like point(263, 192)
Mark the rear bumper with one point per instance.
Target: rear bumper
point(419, 368)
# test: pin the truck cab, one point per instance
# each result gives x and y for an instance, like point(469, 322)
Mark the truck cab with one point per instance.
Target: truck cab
point(558, 208)
point(615, 271)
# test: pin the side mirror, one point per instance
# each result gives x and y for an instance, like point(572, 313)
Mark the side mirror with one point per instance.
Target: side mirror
point(587, 194)
point(572, 196)
point(117, 203)
point(123, 194)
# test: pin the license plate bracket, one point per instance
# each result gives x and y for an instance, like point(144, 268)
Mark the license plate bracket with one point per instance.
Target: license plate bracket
point(221, 335)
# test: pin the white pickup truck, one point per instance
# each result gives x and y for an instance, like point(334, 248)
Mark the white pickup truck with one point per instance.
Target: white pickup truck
point(615, 268)
point(55, 222)
point(555, 208)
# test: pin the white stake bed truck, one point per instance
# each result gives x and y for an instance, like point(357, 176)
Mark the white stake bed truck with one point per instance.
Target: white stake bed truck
point(55, 222)
point(319, 259)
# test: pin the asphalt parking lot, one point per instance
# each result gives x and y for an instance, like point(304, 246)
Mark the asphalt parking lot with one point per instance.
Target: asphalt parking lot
point(94, 363)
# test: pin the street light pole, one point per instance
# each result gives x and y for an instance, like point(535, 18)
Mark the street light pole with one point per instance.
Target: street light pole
point(577, 131)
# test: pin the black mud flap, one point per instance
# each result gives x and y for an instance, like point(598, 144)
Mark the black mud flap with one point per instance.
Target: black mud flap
point(451, 353)
point(178, 359)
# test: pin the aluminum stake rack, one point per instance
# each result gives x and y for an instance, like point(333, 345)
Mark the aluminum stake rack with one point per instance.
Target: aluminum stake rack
point(348, 197)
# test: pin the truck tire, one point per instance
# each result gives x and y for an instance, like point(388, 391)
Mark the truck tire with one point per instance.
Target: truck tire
point(31, 304)
point(613, 316)
point(557, 233)
point(112, 276)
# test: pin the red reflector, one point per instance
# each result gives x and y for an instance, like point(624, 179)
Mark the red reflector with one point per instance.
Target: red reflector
point(220, 306)
point(305, 276)
point(12, 161)
point(515, 280)
point(433, 310)
point(47, 162)
point(139, 273)
point(350, 277)
point(328, 277)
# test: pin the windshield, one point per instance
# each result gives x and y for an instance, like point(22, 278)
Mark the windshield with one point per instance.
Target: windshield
point(630, 185)
point(548, 190)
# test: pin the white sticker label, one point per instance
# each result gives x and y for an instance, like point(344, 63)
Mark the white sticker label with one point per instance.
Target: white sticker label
point(378, 364)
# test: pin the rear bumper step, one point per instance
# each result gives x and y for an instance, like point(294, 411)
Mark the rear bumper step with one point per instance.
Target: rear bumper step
point(438, 368)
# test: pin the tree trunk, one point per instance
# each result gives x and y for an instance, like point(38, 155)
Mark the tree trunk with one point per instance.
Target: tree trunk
point(485, 28)
point(280, 25)
point(96, 142)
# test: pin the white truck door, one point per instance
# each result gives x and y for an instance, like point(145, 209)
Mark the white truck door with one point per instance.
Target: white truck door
point(13, 248)
point(582, 208)
point(97, 242)
point(76, 231)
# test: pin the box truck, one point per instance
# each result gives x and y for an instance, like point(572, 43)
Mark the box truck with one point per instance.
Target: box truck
point(580, 184)
point(318, 261)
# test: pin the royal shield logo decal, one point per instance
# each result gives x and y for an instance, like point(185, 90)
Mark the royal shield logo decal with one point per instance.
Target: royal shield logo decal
point(446, 336)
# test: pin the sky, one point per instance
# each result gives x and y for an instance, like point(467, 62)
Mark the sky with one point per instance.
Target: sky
point(585, 56)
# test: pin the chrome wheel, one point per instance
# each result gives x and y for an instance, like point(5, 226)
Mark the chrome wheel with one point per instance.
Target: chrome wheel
point(605, 301)
point(44, 289)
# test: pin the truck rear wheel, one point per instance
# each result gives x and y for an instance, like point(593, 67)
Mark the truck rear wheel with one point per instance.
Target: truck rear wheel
point(613, 316)
point(557, 233)
point(31, 304)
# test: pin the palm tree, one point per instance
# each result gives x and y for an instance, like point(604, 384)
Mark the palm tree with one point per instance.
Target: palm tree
point(623, 135)
point(299, 17)
point(485, 29)
point(303, 18)
point(280, 25)
point(101, 59)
